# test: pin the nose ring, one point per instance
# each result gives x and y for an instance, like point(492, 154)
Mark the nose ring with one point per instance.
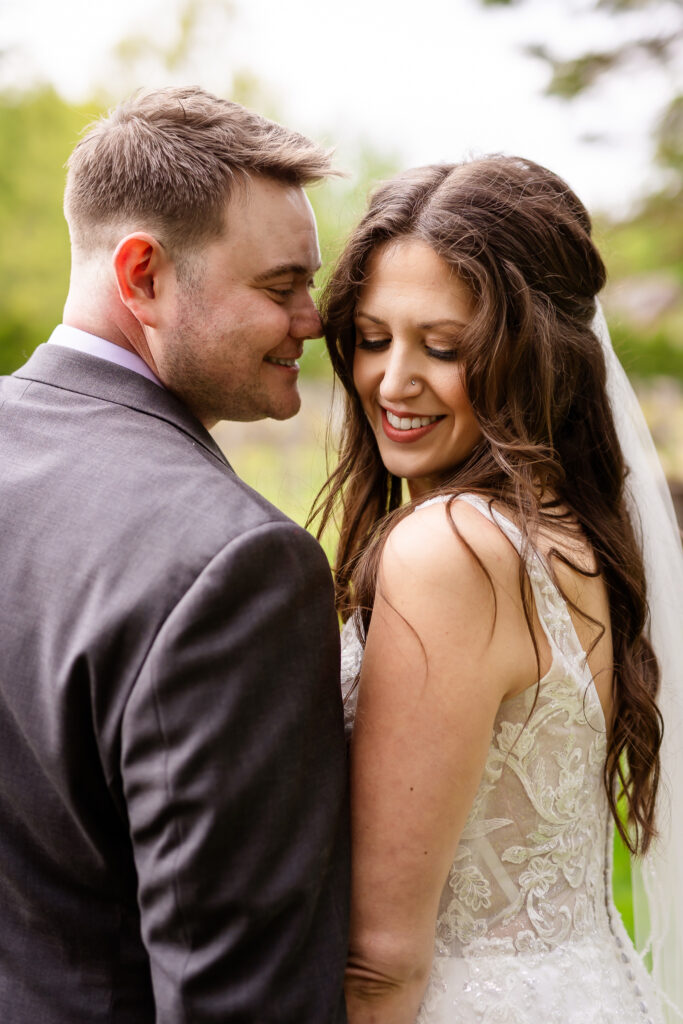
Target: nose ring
point(412, 381)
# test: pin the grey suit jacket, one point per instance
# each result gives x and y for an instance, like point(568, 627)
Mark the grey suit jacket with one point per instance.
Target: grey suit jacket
point(173, 820)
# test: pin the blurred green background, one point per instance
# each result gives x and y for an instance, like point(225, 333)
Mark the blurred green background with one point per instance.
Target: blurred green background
point(286, 461)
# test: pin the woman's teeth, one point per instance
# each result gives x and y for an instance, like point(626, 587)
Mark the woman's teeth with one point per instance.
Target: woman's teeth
point(408, 422)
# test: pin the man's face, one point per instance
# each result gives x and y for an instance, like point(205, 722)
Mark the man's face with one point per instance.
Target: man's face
point(237, 326)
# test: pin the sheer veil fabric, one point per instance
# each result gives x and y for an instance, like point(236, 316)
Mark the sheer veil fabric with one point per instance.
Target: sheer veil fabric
point(657, 878)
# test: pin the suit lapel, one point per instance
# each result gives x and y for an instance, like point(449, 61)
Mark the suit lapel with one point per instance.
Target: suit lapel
point(89, 375)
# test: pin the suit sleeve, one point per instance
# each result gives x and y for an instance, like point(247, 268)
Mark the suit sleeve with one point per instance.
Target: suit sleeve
point(234, 774)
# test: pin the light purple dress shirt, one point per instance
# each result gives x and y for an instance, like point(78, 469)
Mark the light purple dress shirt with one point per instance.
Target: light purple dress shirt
point(73, 337)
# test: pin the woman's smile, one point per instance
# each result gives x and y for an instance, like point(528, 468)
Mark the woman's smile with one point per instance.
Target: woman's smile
point(404, 428)
point(410, 318)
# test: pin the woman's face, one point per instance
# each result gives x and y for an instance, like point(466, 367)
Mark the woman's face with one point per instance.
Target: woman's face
point(409, 319)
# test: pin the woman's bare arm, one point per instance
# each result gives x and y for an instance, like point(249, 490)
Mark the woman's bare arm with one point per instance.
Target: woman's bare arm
point(437, 665)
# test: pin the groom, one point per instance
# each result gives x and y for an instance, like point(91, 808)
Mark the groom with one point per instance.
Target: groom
point(173, 841)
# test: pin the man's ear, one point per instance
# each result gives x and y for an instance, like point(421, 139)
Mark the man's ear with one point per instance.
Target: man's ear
point(139, 262)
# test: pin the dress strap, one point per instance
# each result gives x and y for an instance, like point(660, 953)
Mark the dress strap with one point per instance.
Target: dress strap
point(511, 531)
point(552, 609)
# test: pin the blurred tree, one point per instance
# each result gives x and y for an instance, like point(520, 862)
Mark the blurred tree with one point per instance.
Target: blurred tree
point(182, 58)
point(38, 130)
point(644, 253)
point(637, 53)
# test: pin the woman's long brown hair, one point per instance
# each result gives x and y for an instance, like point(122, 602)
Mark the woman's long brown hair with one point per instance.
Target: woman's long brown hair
point(534, 372)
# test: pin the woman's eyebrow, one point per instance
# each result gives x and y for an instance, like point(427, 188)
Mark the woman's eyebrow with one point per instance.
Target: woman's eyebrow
point(441, 323)
point(367, 316)
point(425, 326)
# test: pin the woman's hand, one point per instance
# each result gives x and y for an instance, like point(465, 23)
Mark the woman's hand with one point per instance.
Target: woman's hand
point(373, 995)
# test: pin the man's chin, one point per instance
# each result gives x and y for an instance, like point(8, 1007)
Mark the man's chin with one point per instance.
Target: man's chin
point(283, 410)
point(283, 407)
point(287, 412)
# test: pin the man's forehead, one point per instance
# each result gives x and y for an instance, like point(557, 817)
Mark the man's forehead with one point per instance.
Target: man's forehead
point(270, 230)
point(258, 199)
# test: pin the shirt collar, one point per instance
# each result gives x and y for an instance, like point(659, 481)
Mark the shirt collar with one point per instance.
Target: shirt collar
point(72, 337)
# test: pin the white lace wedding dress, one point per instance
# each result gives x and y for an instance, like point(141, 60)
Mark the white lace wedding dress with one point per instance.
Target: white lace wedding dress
point(527, 931)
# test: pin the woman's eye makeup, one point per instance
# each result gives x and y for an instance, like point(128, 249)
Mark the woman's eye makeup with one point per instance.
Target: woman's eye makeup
point(446, 352)
point(450, 353)
point(371, 344)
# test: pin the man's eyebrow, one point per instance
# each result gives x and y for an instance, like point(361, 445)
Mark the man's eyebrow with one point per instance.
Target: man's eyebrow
point(297, 269)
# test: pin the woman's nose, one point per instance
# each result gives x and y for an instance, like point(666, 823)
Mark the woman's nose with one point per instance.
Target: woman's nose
point(399, 379)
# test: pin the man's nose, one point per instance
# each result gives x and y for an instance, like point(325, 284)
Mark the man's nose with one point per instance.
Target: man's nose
point(306, 322)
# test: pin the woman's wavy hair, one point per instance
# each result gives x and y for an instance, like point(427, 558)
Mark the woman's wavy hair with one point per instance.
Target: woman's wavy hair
point(534, 372)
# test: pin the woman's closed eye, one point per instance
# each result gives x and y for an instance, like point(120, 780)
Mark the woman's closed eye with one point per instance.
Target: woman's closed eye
point(372, 344)
point(449, 353)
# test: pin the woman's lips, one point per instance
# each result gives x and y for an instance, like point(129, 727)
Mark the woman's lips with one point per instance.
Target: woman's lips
point(406, 436)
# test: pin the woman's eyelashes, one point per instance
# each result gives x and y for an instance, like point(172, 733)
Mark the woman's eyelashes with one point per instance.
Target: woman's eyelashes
point(372, 344)
point(377, 344)
point(442, 353)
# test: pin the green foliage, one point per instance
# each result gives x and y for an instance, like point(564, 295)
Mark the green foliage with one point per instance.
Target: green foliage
point(650, 241)
point(572, 77)
point(643, 356)
point(621, 883)
point(648, 246)
point(670, 137)
point(617, 6)
point(37, 133)
point(198, 22)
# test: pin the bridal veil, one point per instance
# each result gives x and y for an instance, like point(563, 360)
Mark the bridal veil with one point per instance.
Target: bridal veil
point(658, 877)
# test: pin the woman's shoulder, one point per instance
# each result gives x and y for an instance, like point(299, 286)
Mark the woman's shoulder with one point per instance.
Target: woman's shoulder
point(453, 527)
point(453, 576)
point(451, 533)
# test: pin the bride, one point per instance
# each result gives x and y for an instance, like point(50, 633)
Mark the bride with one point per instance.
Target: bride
point(508, 696)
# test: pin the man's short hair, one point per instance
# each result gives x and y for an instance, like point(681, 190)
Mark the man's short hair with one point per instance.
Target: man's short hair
point(166, 161)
